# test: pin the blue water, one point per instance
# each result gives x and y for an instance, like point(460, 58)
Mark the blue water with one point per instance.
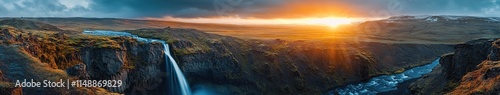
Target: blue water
point(177, 83)
point(385, 83)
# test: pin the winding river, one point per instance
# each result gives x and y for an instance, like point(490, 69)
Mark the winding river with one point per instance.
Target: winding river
point(385, 83)
point(177, 83)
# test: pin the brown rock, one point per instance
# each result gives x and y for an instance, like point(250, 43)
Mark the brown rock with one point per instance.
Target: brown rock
point(495, 51)
point(61, 35)
point(78, 70)
point(9, 89)
point(1, 76)
point(6, 35)
point(492, 72)
point(466, 58)
point(19, 37)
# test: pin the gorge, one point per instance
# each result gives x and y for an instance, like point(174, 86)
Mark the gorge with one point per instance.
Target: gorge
point(146, 58)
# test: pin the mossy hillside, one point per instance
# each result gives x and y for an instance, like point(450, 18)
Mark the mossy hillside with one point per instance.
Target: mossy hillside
point(17, 64)
point(198, 44)
point(28, 25)
point(58, 49)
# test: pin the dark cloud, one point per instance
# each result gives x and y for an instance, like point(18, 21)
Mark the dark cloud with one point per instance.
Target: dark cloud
point(38, 8)
point(460, 7)
point(175, 8)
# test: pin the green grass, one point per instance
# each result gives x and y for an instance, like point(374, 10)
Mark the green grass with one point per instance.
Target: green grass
point(200, 44)
point(59, 51)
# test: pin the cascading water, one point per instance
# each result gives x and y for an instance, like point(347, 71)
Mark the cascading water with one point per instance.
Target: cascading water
point(183, 85)
point(177, 82)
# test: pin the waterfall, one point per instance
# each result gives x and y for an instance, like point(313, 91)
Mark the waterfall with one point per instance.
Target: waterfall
point(183, 85)
point(177, 82)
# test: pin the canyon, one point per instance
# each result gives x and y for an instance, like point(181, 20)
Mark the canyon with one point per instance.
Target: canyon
point(225, 63)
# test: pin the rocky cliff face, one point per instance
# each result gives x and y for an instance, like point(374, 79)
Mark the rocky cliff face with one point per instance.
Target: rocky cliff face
point(453, 67)
point(136, 64)
point(312, 68)
point(141, 66)
point(484, 80)
point(284, 67)
point(466, 57)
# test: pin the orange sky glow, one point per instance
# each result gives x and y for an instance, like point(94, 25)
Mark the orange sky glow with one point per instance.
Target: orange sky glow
point(324, 21)
point(294, 13)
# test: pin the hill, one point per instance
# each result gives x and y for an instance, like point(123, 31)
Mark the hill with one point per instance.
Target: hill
point(29, 25)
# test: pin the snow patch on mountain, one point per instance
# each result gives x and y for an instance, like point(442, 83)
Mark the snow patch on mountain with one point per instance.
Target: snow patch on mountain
point(494, 19)
point(431, 19)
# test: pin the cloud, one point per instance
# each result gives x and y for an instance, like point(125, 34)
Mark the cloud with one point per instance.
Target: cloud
point(75, 3)
point(460, 7)
point(39, 8)
point(175, 8)
point(245, 8)
point(293, 8)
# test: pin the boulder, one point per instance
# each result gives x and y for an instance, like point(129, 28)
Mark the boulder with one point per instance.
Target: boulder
point(103, 61)
point(78, 70)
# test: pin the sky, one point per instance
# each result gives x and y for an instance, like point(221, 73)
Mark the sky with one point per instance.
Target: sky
point(244, 9)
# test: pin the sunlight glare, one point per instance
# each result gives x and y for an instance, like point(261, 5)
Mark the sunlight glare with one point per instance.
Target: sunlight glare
point(331, 22)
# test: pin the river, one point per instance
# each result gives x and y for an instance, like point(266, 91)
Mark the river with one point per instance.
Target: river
point(385, 83)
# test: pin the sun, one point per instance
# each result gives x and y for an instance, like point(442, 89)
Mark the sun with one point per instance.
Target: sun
point(331, 22)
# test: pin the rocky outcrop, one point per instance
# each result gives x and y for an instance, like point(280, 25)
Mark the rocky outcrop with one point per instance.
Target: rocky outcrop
point(453, 67)
point(135, 64)
point(6, 35)
point(495, 52)
point(1, 76)
point(79, 70)
point(103, 61)
point(467, 56)
point(492, 72)
point(52, 49)
point(16, 64)
point(484, 80)
point(138, 65)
